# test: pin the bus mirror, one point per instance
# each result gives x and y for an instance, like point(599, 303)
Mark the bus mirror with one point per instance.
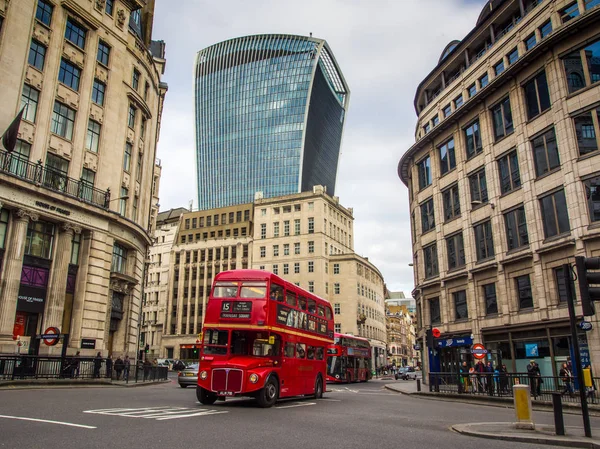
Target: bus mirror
point(272, 340)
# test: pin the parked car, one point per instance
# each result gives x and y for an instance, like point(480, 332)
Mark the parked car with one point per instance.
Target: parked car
point(406, 373)
point(188, 376)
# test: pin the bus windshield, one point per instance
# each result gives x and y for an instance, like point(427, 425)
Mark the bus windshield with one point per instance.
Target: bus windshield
point(254, 290)
point(225, 290)
point(254, 343)
point(215, 341)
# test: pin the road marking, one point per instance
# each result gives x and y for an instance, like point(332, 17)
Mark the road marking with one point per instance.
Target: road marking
point(62, 423)
point(298, 404)
point(330, 400)
point(158, 413)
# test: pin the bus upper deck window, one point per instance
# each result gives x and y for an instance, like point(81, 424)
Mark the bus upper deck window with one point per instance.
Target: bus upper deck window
point(302, 302)
point(321, 311)
point(290, 298)
point(312, 306)
point(276, 292)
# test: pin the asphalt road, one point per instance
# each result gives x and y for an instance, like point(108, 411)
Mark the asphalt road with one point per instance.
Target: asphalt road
point(361, 416)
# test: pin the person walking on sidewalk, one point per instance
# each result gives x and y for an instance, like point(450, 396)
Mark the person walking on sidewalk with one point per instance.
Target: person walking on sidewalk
point(97, 365)
point(126, 368)
point(535, 376)
point(109, 366)
point(119, 367)
point(566, 376)
point(463, 381)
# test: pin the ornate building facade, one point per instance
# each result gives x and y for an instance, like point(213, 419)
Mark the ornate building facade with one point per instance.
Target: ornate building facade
point(78, 193)
point(503, 181)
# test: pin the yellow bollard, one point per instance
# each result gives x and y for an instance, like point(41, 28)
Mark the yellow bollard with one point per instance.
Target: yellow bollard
point(522, 400)
point(587, 377)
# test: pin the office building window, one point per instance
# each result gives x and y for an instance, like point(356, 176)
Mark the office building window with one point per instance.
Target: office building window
point(263, 251)
point(75, 33)
point(545, 153)
point(297, 248)
point(461, 310)
point(88, 178)
point(587, 132)
point(435, 120)
point(555, 217)
point(427, 216)
point(484, 81)
point(275, 250)
point(275, 269)
point(569, 12)
point(456, 251)
point(336, 288)
point(516, 228)
point(311, 267)
point(451, 201)
point(431, 261)
point(43, 12)
point(286, 228)
point(311, 225)
point(311, 247)
point(63, 119)
point(561, 286)
point(537, 96)
point(530, 41)
point(524, 294)
point(297, 226)
point(447, 157)
point(502, 119)
point(40, 236)
point(508, 168)
point(286, 249)
point(37, 55)
point(499, 68)
point(472, 90)
point(478, 187)
point(127, 157)
point(336, 268)
point(546, 29)
point(447, 111)
point(484, 243)
point(103, 53)
point(337, 309)
point(592, 193)
point(458, 101)
point(93, 136)
point(29, 100)
point(286, 268)
point(513, 56)
point(434, 311)
point(276, 229)
point(131, 116)
point(135, 79)
point(311, 286)
point(473, 139)
point(109, 7)
point(296, 267)
point(119, 259)
point(98, 92)
point(424, 169)
point(123, 200)
point(489, 296)
point(69, 75)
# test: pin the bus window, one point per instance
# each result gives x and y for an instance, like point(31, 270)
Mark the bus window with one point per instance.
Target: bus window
point(321, 311)
point(328, 313)
point(289, 350)
point(290, 298)
point(310, 353)
point(253, 290)
point(225, 290)
point(302, 302)
point(215, 342)
point(239, 343)
point(276, 293)
point(312, 306)
point(300, 350)
point(319, 353)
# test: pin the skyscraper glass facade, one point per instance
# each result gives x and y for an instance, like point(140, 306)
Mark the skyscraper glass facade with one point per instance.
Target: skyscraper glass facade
point(270, 112)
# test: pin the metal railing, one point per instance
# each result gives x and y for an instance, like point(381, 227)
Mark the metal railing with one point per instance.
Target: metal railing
point(30, 367)
point(16, 165)
point(501, 385)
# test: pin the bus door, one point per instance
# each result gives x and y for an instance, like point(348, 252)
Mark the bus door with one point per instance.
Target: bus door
point(288, 370)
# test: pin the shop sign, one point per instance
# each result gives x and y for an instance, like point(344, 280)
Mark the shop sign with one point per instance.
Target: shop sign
point(52, 208)
point(31, 299)
point(88, 343)
point(19, 327)
point(585, 326)
point(531, 350)
point(455, 342)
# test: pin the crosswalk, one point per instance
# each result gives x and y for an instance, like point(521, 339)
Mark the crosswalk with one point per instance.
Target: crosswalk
point(157, 413)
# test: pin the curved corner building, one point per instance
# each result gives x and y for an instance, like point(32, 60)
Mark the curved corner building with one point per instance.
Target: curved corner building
point(504, 182)
point(269, 118)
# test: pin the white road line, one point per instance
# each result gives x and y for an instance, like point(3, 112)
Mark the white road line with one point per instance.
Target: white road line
point(158, 413)
point(48, 421)
point(330, 400)
point(298, 404)
point(203, 413)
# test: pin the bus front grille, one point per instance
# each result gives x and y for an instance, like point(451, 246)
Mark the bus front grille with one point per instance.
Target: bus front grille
point(227, 380)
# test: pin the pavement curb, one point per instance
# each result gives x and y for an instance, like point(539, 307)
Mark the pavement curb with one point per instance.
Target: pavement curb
point(537, 438)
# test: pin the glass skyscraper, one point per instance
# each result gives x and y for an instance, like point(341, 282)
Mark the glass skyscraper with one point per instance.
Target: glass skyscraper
point(270, 111)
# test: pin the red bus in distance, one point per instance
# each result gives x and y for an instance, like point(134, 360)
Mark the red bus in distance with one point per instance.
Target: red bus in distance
point(349, 359)
point(263, 337)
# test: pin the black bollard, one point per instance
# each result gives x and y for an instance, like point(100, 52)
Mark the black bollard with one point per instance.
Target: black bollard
point(419, 385)
point(559, 423)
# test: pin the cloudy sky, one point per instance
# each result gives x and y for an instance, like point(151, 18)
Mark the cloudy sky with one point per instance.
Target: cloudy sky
point(383, 47)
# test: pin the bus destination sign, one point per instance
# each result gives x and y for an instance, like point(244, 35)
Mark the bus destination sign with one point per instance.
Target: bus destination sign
point(236, 309)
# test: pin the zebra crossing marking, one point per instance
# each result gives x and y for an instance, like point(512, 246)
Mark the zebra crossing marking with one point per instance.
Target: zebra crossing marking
point(157, 413)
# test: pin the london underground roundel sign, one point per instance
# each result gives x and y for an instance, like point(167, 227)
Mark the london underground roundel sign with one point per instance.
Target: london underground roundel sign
point(479, 351)
point(48, 336)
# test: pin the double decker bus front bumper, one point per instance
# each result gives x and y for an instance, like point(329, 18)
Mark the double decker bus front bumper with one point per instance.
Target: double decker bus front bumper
point(232, 381)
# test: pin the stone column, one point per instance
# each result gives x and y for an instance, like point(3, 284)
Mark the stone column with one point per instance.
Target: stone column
point(55, 303)
point(13, 265)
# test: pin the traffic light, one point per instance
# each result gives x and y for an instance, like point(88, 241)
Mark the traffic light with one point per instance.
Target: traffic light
point(429, 338)
point(586, 279)
point(147, 349)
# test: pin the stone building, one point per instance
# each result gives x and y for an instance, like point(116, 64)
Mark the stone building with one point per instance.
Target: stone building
point(400, 336)
point(79, 192)
point(503, 183)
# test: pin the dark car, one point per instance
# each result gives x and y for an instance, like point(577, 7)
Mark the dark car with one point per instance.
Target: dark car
point(188, 376)
point(406, 373)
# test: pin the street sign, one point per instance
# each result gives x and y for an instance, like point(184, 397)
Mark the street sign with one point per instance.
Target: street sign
point(479, 351)
point(436, 332)
point(455, 342)
point(585, 326)
point(50, 336)
point(417, 347)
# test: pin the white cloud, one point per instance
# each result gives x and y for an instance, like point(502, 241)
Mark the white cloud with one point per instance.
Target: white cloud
point(384, 48)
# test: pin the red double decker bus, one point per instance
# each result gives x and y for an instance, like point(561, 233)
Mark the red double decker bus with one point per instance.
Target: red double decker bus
point(263, 337)
point(349, 359)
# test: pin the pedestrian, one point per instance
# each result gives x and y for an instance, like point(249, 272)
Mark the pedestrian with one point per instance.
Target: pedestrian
point(109, 366)
point(481, 380)
point(503, 379)
point(566, 376)
point(97, 365)
point(76, 362)
point(463, 381)
point(489, 373)
point(147, 365)
point(119, 367)
point(126, 368)
point(534, 374)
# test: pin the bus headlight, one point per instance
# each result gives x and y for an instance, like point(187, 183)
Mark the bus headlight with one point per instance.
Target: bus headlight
point(203, 375)
point(337, 376)
point(253, 378)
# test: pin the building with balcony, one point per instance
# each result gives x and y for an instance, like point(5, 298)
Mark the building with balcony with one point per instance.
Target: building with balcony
point(502, 183)
point(270, 111)
point(400, 336)
point(79, 190)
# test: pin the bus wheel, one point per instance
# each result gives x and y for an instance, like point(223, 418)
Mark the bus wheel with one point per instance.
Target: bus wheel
point(205, 397)
point(268, 395)
point(318, 388)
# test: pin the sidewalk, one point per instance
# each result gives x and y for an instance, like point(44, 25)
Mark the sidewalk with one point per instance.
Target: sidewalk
point(73, 383)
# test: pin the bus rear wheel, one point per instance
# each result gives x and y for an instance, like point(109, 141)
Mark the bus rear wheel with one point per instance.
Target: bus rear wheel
point(268, 395)
point(205, 397)
point(318, 387)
